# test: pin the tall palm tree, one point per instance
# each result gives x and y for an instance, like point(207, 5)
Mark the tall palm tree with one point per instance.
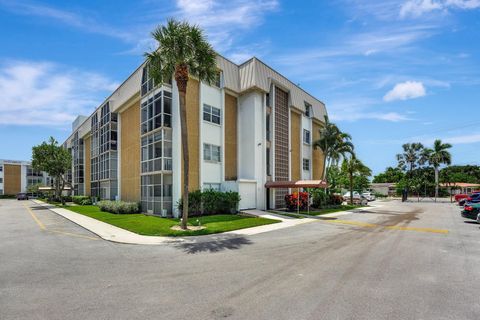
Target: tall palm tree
point(413, 156)
point(437, 156)
point(354, 166)
point(334, 144)
point(183, 51)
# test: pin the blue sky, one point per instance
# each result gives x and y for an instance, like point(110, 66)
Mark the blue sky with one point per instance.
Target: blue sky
point(389, 71)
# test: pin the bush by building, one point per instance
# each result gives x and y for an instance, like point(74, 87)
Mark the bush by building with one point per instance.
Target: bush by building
point(119, 207)
point(82, 200)
point(296, 201)
point(211, 202)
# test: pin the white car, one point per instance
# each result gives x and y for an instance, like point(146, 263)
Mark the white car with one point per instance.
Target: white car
point(356, 195)
point(369, 195)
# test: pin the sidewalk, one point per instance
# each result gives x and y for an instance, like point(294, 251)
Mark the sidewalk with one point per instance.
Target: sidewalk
point(111, 233)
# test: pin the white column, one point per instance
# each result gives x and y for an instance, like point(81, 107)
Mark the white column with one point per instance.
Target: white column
point(176, 150)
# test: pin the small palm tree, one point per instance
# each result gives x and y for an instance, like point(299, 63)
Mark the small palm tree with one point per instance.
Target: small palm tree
point(334, 144)
point(438, 156)
point(354, 166)
point(183, 51)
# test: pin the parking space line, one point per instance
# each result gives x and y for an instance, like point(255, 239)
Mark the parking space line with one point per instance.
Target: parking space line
point(34, 216)
point(42, 226)
point(372, 225)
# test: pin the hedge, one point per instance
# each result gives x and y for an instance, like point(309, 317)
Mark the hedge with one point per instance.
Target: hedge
point(211, 202)
point(119, 207)
point(82, 200)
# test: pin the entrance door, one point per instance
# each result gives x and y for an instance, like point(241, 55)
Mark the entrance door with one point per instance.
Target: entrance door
point(150, 199)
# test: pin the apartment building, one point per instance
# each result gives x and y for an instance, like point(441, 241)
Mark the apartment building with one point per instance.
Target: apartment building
point(16, 176)
point(252, 127)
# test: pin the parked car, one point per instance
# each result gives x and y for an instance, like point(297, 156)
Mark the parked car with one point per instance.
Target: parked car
point(471, 211)
point(469, 198)
point(22, 196)
point(461, 198)
point(356, 195)
point(370, 196)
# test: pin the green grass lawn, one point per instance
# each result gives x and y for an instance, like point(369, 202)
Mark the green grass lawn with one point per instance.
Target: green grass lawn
point(156, 226)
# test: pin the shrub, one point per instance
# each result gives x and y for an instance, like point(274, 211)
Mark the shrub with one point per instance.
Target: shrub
point(335, 199)
point(119, 207)
point(319, 198)
point(86, 202)
point(211, 202)
point(80, 199)
point(296, 201)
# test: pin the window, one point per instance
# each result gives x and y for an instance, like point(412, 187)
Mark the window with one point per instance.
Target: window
point(267, 99)
point(308, 109)
point(306, 164)
point(218, 80)
point(267, 126)
point(211, 186)
point(268, 162)
point(306, 136)
point(1, 180)
point(1, 192)
point(211, 152)
point(1, 168)
point(211, 114)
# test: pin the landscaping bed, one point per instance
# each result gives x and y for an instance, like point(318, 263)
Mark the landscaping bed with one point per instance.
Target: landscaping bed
point(157, 226)
point(318, 212)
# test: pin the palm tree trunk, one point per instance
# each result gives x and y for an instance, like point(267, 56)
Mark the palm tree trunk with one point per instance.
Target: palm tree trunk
point(436, 183)
point(351, 189)
point(181, 77)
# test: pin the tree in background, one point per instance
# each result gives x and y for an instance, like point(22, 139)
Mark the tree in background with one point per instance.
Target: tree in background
point(182, 51)
point(55, 160)
point(413, 157)
point(437, 156)
point(391, 175)
point(334, 143)
point(353, 167)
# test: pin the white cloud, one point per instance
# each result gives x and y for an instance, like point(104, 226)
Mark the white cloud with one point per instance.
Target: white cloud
point(83, 22)
point(416, 8)
point(225, 21)
point(405, 90)
point(362, 109)
point(43, 93)
point(463, 139)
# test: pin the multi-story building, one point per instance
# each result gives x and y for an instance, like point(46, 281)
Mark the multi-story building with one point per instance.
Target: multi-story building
point(16, 176)
point(253, 126)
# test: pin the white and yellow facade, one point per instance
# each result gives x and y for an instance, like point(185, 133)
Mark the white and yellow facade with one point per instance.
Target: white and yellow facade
point(251, 127)
point(16, 176)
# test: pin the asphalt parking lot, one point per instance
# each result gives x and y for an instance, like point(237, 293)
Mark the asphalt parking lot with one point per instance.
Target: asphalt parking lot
point(396, 261)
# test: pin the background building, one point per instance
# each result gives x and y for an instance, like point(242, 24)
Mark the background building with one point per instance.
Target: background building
point(251, 127)
point(16, 176)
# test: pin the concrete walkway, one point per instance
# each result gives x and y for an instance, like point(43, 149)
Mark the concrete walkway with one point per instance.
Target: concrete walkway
point(111, 233)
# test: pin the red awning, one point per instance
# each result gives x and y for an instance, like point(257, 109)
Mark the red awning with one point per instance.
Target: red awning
point(297, 184)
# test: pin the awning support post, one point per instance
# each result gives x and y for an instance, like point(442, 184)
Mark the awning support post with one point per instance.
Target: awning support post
point(298, 200)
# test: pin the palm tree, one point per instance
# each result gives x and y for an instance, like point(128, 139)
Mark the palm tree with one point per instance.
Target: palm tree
point(183, 51)
point(438, 156)
point(354, 166)
point(413, 156)
point(334, 144)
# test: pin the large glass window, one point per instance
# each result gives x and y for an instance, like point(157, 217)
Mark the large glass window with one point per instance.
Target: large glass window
point(156, 112)
point(156, 152)
point(211, 152)
point(308, 109)
point(267, 126)
point(211, 114)
point(306, 136)
point(103, 152)
point(306, 164)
